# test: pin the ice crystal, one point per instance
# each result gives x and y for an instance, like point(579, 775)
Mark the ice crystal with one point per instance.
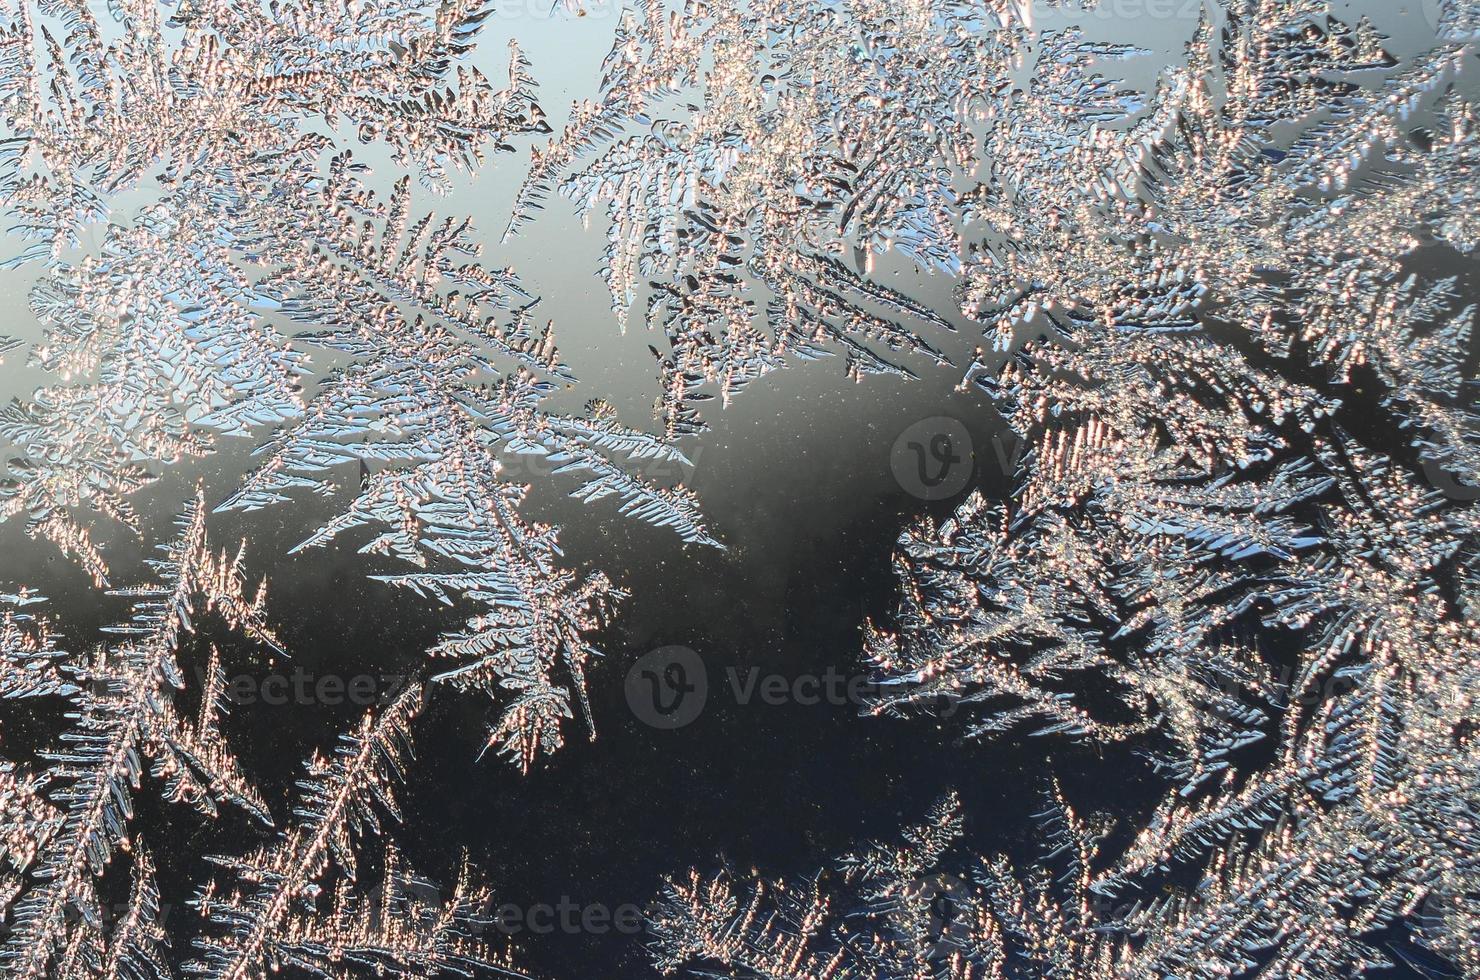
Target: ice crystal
point(1201, 554)
point(29, 657)
point(268, 914)
point(1248, 514)
point(71, 818)
point(1165, 498)
point(1242, 546)
point(161, 340)
point(422, 414)
point(824, 133)
point(64, 824)
point(195, 319)
point(402, 931)
point(891, 912)
point(1458, 20)
point(1301, 902)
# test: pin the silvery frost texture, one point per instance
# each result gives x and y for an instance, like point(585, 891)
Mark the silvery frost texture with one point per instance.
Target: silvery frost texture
point(1244, 541)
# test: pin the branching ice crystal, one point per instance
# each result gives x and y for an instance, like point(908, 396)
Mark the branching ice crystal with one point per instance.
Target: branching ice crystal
point(64, 825)
point(268, 914)
point(72, 818)
point(161, 340)
point(1244, 544)
point(894, 909)
point(1248, 516)
point(422, 414)
point(31, 659)
point(825, 133)
point(1303, 901)
point(194, 320)
point(1201, 554)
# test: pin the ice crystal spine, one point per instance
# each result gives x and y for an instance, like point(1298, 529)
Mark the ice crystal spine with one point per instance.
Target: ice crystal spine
point(746, 229)
point(77, 814)
point(427, 414)
point(195, 319)
point(162, 341)
point(267, 915)
point(1201, 554)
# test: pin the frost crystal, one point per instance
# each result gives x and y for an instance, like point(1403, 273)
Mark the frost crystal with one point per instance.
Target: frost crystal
point(825, 132)
point(162, 340)
point(1228, 311)
point(64, 825)
point(269, 914)
point(1202, 553)
point(1249, 513)
point(71, 818)
point(422, 414)
point(1300, 902)
point(194, 320)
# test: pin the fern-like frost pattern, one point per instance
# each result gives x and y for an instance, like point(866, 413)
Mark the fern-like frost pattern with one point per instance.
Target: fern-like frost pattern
point(1230, 312)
